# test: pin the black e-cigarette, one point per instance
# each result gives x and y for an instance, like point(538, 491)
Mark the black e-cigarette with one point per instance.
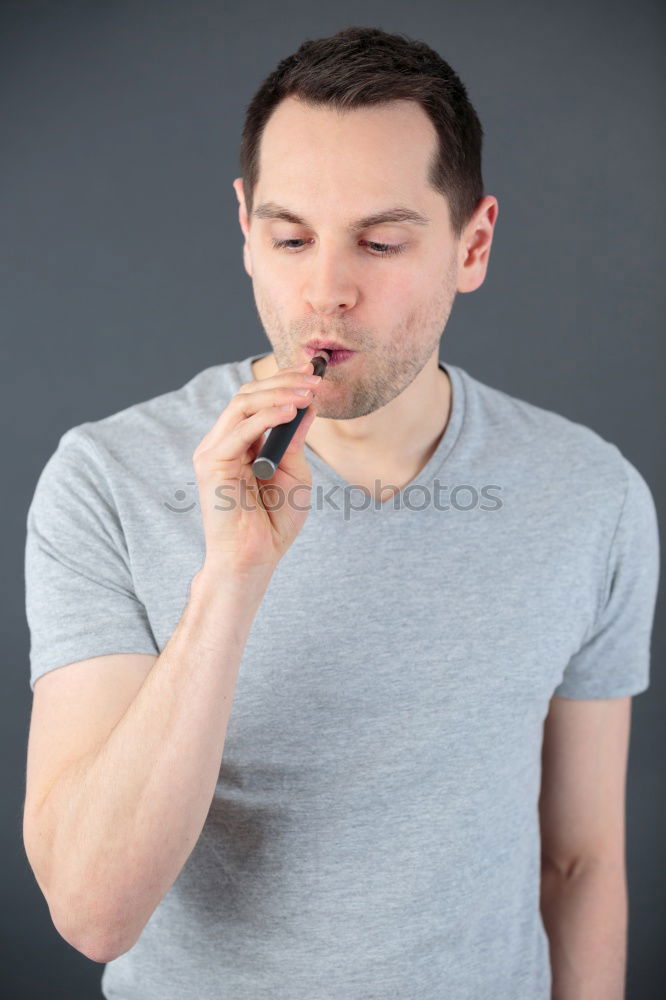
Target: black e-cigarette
point(266, 463)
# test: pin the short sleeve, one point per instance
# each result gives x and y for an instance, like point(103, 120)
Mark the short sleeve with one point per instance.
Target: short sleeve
point(79, 594)
point(614, 660)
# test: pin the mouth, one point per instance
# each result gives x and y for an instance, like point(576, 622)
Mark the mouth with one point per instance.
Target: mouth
point(338, 353)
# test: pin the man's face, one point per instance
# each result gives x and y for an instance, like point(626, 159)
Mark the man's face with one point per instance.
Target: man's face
point(331, 170)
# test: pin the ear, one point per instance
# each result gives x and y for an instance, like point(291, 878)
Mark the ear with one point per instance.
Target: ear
point(244, 223)
point(475, 244)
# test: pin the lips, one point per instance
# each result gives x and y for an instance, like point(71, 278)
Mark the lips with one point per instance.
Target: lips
point(327, 345)
point(335, 357)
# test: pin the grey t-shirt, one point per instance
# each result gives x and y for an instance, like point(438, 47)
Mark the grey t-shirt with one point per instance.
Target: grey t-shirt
point(374, 831)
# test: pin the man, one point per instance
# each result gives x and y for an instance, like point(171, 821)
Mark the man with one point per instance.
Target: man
point(414, 785)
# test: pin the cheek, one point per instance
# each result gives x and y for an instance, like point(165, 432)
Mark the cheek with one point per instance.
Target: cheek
point(399, 291)
point(271, 287)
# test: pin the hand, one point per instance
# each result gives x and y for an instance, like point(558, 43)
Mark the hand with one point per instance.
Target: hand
point(241, 535)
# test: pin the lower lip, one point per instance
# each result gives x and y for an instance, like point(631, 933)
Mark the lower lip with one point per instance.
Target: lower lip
point(337, 357)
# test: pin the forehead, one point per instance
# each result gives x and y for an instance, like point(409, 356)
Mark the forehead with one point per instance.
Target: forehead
point(390, 145)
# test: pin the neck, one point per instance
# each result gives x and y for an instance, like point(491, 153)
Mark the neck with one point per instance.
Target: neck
point(399, 437)
point(402, 431)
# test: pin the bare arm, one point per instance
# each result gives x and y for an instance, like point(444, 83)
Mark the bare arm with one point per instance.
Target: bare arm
point(118, 825)
point(115, 827)
point(585, 917)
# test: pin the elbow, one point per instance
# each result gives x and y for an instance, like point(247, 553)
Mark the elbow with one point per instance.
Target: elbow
point(98, 946)
point(77, 921)
point(101, 955)
point(94, 948)
point(97, 949)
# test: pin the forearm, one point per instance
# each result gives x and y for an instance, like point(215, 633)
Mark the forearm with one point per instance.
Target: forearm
point(585, 917)
point(122, 821)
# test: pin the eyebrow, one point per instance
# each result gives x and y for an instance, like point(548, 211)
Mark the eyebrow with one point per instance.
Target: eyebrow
point(398, 213)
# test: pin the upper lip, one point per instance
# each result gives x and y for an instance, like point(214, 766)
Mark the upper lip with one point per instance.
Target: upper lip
point(327, 345)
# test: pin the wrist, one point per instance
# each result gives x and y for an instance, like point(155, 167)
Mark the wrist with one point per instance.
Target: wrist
point(220, 609)
point(212, 583)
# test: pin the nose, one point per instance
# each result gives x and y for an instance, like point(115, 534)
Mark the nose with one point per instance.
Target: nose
point(329, 289)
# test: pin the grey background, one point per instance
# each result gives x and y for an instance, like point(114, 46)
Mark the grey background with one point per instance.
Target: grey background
point(122, 277)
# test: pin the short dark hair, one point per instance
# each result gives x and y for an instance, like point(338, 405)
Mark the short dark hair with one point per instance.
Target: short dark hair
point(361, 66)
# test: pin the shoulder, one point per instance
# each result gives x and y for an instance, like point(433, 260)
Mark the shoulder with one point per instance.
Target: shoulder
point(175, 420)
point(544, 443)
point(555, 467)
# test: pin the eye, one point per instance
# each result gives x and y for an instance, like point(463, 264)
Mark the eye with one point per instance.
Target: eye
point(389, 248)
point(386, 249)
